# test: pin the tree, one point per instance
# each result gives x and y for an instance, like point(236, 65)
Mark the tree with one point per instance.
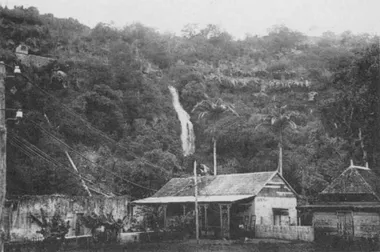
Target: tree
point(282, 39)
point(53, 230)
point(212, 111)
point(277, 119)
point(111, 226)
point(353, 111)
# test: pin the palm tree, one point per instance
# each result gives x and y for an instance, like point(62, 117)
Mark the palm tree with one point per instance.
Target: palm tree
point(277, 119)
point(212, 110)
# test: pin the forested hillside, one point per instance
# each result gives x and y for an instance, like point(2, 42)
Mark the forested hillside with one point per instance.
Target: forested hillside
point(316, 97)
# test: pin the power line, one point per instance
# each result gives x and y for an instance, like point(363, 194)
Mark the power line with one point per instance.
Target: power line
point(69, 110)
point(84, 157)
point(88, 124)
point(99, 132)
point(30, 154)
point(32, 151)
point(41, 154)
point(64, 106)
point(27, 151)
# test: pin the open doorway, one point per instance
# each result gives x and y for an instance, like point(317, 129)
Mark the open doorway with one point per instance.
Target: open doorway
point(280, 217)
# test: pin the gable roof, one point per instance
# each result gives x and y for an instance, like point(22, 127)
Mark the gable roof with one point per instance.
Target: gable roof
point(355, 180)
point(229, 184)
point(220, 188)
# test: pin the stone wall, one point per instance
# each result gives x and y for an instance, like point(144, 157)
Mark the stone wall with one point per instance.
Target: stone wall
point(18, 224)
point(303, 233)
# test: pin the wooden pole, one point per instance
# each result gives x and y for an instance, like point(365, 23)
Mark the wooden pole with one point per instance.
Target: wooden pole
point(165, 208)
point(214, 150)
point(80, 176)
point(206, 220)
point(221, 220)
point(73, 165)
point(280, 154)
point(228, 220)
point(3, 144)
point(196, 203)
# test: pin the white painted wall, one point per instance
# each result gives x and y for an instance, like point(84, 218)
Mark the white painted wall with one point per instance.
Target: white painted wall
point(303, 233)
point(263, 209)
point(21, 226)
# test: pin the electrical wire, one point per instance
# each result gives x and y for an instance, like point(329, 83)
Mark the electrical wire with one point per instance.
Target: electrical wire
point(32, 153)
point(88, 124)
point(26, 151)
point(35, 152)
point(99, 132)
point(84, 157)
point(41, 154)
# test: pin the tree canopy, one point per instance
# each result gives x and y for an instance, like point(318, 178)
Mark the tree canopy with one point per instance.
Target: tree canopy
point(116, 119)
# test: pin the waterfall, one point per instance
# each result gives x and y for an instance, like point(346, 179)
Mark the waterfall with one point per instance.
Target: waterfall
point(187, 134)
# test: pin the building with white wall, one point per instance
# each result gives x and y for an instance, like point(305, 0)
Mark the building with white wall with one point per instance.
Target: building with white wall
point(228, 202)
point(19, 225)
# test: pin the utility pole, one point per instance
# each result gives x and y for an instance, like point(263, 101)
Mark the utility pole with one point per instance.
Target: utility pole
point(3, 144)
point(196, 203)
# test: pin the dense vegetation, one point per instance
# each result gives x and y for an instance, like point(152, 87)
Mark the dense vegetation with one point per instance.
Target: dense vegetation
point(117, 122)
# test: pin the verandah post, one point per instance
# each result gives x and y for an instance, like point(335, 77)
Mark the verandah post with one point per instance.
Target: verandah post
point(196, 203)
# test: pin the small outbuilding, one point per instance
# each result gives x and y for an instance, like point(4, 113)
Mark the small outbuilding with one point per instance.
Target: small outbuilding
point(22, 54)
point(228, 202)
point(350, 206)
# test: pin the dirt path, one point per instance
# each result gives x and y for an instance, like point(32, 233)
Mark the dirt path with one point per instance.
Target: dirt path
point(269, 245)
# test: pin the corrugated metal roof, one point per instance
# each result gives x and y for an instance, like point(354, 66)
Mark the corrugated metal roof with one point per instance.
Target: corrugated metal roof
point(220, 188)
point(189, 199)
point(228, 184)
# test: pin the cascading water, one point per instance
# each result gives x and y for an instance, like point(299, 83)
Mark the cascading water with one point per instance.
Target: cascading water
point(187, 135)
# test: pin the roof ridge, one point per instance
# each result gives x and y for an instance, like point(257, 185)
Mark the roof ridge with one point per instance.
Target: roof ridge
point(230, 174)
point(245, 173)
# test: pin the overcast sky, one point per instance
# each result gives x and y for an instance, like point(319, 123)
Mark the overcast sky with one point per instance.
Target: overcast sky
point(238, 17)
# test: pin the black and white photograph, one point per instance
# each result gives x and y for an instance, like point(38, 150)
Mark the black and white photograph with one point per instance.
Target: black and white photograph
point(189, 125)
